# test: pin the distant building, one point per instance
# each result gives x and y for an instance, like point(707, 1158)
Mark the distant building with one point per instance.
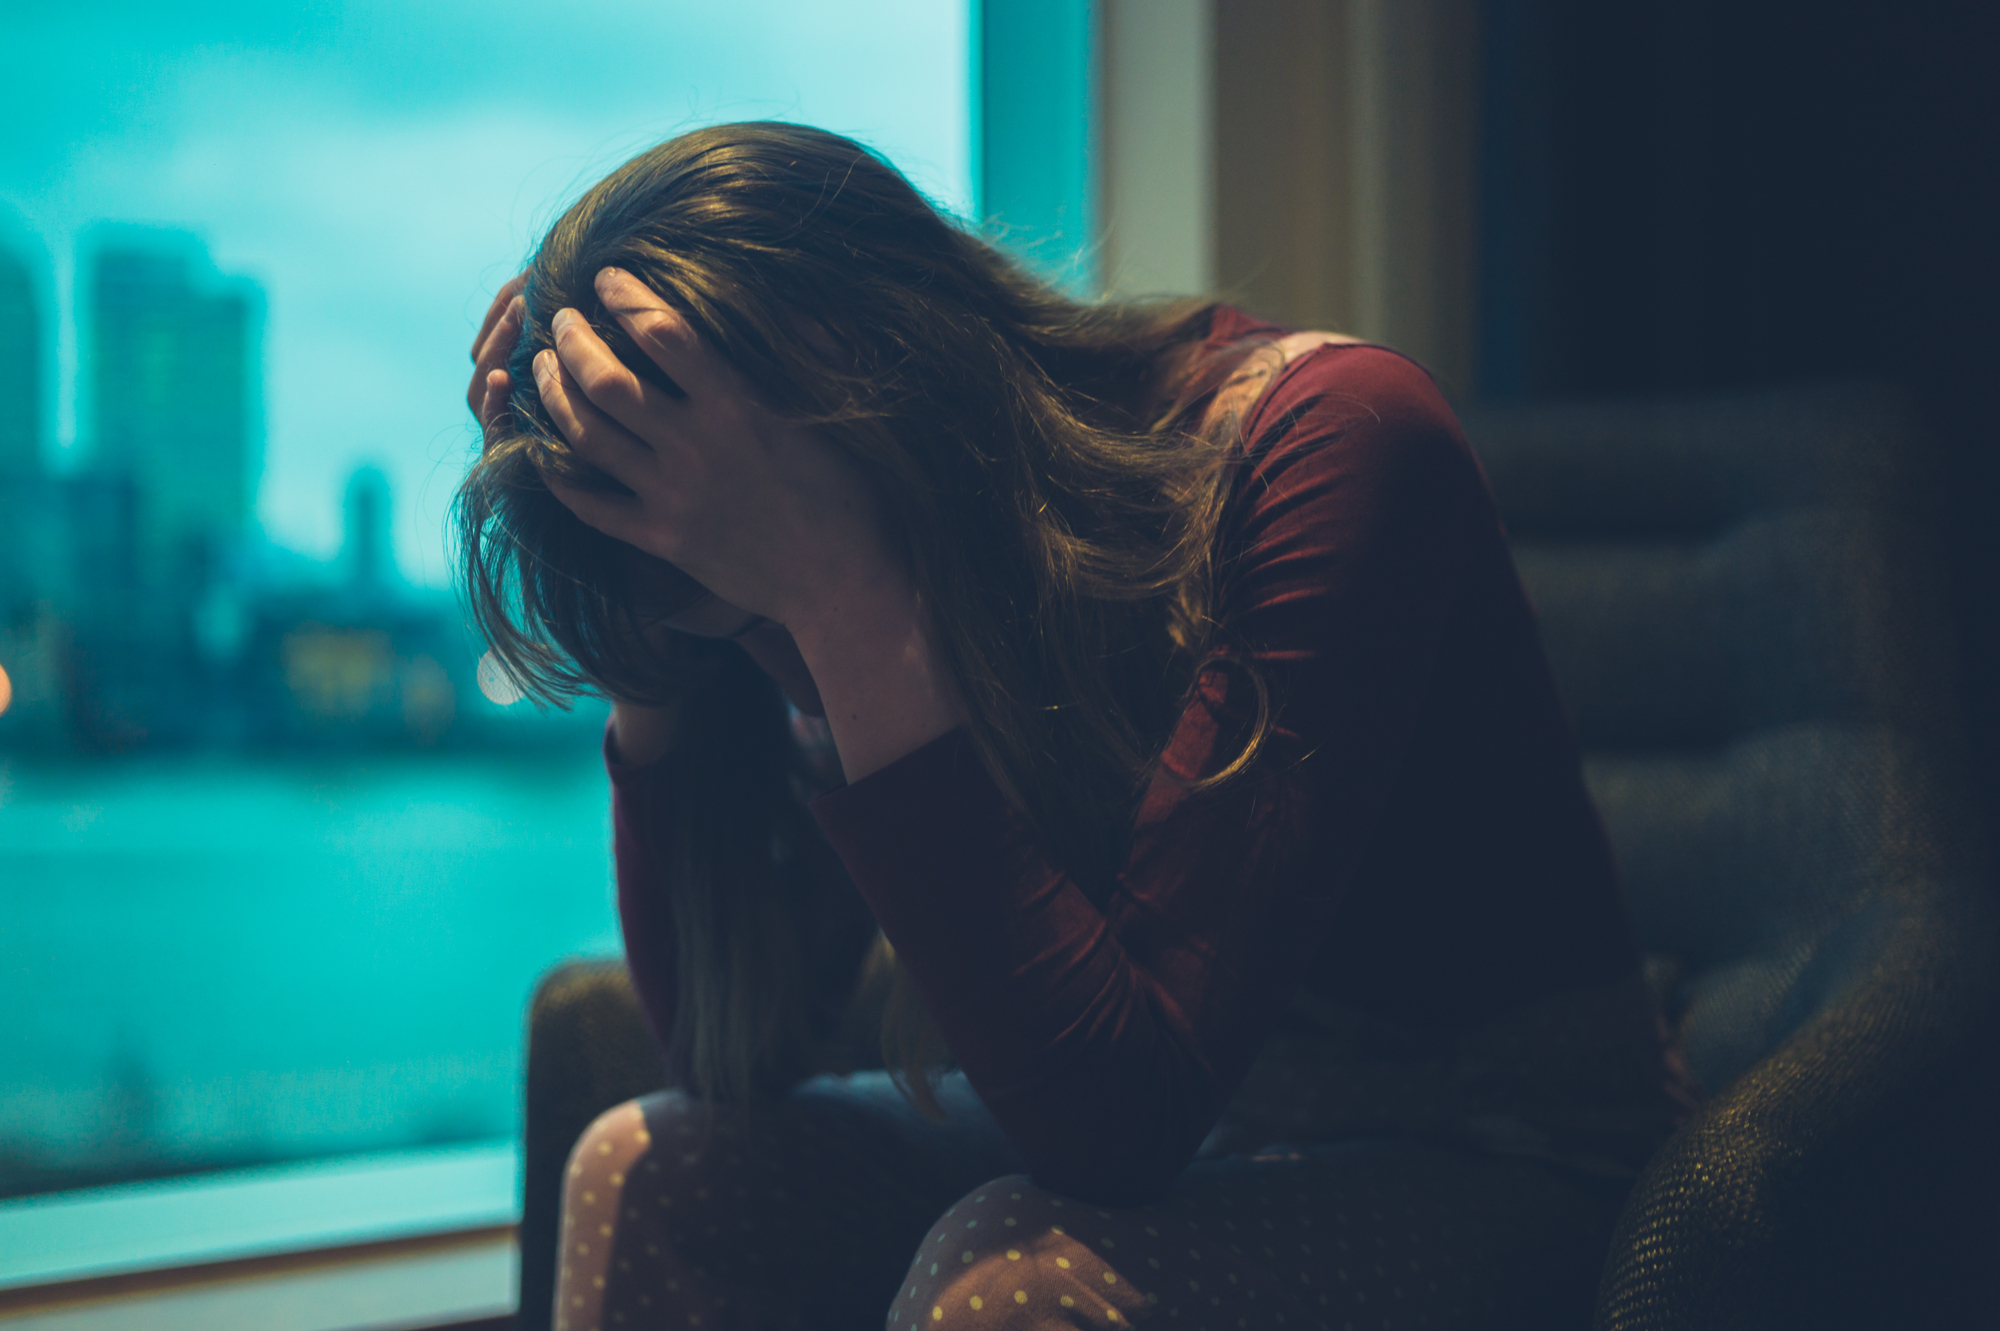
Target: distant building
point(368, 551)
point(23, 494)
point(365, 660)
point(22, 342)
point(32, 641)
point(173, 373)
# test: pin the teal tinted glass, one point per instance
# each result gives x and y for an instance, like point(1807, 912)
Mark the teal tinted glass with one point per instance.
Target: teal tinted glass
point(1037, 134)
point(277, 866)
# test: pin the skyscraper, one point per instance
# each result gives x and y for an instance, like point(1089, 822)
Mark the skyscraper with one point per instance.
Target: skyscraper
point(21, 362)
point(368, 551)
point(29, 526)
point(172, 374)
point(23, 498)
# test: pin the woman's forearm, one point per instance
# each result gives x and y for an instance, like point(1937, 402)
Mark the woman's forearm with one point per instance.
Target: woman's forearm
point(864, 656)
point(879, 675)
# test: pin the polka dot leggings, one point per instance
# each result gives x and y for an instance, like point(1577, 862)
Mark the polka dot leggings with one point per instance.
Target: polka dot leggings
point(805, 1213)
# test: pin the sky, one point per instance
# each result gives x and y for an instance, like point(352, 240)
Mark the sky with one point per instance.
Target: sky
point(379, 168)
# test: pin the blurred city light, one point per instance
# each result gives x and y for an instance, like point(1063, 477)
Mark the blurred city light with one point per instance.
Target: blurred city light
point(497, 682)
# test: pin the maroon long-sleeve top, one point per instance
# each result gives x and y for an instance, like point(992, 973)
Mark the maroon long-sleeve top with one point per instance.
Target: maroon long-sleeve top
point(1415, 843)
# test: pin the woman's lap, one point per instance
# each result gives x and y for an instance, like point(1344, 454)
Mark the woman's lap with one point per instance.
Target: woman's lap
point(1363, 1234)
point(806, 1211)
point(801, 1210)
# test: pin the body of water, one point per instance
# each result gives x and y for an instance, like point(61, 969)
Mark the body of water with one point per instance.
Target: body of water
point(215, 961)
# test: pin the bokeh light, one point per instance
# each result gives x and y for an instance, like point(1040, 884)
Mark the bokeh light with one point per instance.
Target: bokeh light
point(498, 683)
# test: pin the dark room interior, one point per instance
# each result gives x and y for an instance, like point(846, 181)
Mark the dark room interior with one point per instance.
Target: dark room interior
point(1714, 290)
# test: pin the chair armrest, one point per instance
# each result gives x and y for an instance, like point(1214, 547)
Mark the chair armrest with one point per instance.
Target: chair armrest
point(588, 1050)
point(1850, 1177)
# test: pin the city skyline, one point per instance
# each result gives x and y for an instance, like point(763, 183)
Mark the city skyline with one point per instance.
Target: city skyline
point(174, 386)
point(379, 171)
point(139, 609)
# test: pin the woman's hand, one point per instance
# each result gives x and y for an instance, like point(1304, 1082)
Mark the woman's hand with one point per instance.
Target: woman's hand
point(491, 384)
point(763, 511)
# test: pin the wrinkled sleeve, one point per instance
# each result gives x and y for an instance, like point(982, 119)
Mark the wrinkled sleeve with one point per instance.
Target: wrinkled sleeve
point(1107, 1041)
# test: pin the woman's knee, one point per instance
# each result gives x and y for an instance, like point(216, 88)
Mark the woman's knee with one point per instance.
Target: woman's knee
point(1011, 1254)
point(666, 1148)
point(640, 1165)
point(650, 1186)
point(612, 1143)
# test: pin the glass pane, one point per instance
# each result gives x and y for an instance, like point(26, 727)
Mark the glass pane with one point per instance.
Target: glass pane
point(276, 876)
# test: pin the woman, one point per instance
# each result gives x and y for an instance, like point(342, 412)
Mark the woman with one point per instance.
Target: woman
point(1159, 687)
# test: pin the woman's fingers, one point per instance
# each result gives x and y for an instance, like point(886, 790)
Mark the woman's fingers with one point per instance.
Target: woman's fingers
point(661, 331)
point(501, 300)
point(648, 411)
point(494, 353)
point(620, 517)
point(596, 437)
point(494, 400)
point(500, 339)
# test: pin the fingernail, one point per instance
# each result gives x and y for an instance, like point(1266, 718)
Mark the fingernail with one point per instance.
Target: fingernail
point(561, 321)
point(516, 307)
point(545, 365)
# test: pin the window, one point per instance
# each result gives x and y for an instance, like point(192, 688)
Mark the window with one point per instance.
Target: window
point(275, 876)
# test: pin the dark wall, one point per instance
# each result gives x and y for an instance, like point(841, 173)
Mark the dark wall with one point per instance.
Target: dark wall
point(1691, 194)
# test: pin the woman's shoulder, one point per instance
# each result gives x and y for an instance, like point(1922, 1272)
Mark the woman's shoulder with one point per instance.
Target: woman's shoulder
point(1348, 439)
point(1298, 383)
point(1258, 370)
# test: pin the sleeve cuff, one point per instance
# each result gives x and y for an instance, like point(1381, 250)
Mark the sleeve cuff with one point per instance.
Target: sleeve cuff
point(926, 793)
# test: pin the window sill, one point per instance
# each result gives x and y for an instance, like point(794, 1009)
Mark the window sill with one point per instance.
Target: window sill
point(412, 1240)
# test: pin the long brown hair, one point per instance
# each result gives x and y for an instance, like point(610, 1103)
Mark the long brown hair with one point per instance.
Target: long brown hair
point(1038, 462)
